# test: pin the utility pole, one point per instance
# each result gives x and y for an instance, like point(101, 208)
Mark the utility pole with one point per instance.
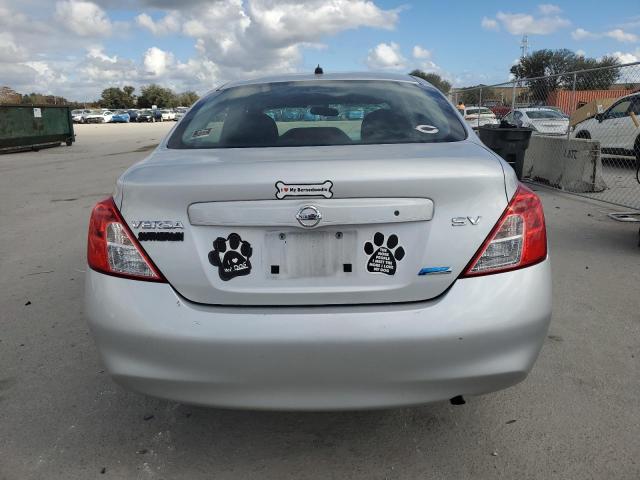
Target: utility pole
point(524, 46)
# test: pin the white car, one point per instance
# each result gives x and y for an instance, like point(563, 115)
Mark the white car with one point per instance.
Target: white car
point(543, 121)
point(97, 116)
point(478, 116)
point(254, 260)
point(617, 128)
point(77, 116)
point(167, 114)
point(180, 112)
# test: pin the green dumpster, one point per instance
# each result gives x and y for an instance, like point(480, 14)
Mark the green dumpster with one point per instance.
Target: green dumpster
point(31, 127)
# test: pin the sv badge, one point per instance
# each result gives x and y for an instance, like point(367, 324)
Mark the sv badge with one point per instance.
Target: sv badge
point(462, 221)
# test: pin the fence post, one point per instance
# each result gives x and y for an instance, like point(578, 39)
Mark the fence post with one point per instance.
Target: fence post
point(513, 95)
point(573, 103)
point(479, 106)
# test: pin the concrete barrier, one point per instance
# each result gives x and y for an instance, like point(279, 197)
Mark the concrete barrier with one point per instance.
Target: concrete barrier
point(574, 165)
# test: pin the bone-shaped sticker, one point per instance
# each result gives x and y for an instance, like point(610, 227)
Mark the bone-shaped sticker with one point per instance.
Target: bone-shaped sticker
point(304, 189)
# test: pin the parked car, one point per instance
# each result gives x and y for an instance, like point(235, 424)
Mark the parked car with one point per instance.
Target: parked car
point(98, 116)
point(121, 116)
point(543, 121)
point(133, 114)
point(357, 114)
point(180, 112)
point(234, 268)
point(146, 116)
point(78, 115)
point(557, 109)
point(167, 114)
point(478, 116)
point(615, 128)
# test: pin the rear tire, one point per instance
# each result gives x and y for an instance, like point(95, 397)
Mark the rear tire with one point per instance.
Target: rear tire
point(583, 134)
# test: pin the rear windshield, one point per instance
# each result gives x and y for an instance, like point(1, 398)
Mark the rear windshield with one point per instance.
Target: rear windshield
point(544, 114)
point(481, 111)
point(318, 113)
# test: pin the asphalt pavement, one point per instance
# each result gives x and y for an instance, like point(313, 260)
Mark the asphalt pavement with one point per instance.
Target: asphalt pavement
point(577, 416)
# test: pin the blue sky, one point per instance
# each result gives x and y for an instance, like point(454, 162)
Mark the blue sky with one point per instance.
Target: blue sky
point(76, 48)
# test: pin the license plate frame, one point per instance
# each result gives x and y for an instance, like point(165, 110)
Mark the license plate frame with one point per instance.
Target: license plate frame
point(310, 254)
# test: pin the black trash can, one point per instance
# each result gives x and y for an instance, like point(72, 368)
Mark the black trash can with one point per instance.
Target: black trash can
point(509, 142)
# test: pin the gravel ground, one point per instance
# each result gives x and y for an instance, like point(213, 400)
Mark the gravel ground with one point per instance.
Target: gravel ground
point(577, 416)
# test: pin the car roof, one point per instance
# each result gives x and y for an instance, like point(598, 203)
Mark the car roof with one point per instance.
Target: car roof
point(306, 77)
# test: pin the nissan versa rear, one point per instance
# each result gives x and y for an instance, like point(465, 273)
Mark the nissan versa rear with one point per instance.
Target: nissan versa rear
point(319, 242)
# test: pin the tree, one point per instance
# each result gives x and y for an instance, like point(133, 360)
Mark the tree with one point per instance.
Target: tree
point(551, 64)
point(9, 96)
point(598, 79)
point(186, 99)
point(41, 99)
point(472, 95)
point(156, 95)
point(434, 79)
point(114, 97)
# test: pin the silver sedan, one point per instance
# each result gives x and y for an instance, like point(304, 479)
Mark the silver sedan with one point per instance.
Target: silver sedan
point(319, 242)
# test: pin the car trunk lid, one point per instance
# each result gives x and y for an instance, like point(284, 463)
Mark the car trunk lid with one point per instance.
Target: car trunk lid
point(381, 230)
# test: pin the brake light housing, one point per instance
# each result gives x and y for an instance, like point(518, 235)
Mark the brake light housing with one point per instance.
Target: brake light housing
point(114, 250)
point(518, 240)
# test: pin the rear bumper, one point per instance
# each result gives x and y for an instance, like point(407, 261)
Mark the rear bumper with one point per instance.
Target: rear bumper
point(483, 335)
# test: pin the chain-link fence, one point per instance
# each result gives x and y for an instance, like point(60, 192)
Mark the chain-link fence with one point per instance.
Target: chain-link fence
point(586, 128)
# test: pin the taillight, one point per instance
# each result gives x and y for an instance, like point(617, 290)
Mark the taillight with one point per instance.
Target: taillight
point(518, 240)
point(113, 249)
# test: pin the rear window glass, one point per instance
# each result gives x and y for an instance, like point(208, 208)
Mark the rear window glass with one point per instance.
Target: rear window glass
point(544, 114)
point(482, 111)
point(318, 113)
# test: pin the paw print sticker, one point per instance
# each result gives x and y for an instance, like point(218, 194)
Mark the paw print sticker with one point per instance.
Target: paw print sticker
point(385, 257)
point(231, 256)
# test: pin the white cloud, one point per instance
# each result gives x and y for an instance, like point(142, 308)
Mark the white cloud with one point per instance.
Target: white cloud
point(581, 53)
point(622, 36)
point(232, 39)
point(628, 57)
point(170, 23)
point(616, 34)
point(290, 20)
point(420, 53)
point(157, 61)
point(425, 64)
point(549, 9)
point(490, 24)
point(46, 73)
point(9, 50)
point(97, 51)
point(83, 18)
point(581, 34)
point(522, 23)
point(386, 56)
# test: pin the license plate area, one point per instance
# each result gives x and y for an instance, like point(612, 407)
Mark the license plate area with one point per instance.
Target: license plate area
point(316, 254)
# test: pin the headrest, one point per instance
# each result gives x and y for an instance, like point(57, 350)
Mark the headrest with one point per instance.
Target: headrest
point(385, 126)
point(253, 129)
